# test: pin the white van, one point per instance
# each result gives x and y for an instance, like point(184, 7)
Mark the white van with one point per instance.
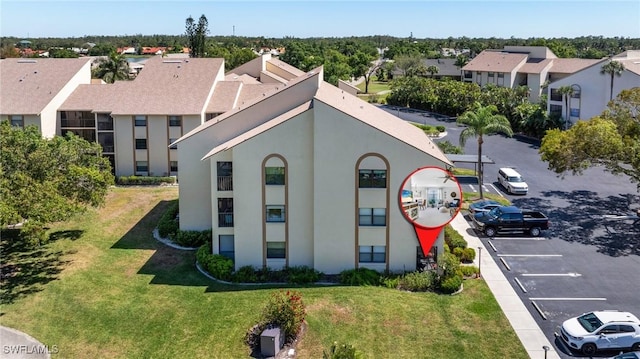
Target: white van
point(512, 181)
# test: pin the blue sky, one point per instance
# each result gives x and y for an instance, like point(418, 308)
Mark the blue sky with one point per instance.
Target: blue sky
point(326, 18)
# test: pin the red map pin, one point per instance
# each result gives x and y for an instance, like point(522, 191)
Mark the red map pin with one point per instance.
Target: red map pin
point(430, 198)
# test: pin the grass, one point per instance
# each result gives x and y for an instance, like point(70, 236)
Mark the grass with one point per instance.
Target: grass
point(104, 288)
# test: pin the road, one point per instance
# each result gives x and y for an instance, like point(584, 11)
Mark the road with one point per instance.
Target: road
point(588, 260)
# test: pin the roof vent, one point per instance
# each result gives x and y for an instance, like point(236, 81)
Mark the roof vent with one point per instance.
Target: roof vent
point(27, 61)
point(171, 61)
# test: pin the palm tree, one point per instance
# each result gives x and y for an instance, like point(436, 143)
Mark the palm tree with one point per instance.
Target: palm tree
point(461, 61)
point(612, 68)
point(114, 67)
point(480, 121)
point(566, 92)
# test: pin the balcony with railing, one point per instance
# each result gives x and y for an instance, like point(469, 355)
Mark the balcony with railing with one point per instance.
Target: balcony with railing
point(225, 183)
point(225, 219)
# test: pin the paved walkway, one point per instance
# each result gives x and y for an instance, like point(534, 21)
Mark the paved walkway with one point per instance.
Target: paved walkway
point(530, 334)
point(18, 345)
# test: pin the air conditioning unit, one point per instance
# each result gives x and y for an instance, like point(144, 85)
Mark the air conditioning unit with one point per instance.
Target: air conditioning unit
point(271, 341)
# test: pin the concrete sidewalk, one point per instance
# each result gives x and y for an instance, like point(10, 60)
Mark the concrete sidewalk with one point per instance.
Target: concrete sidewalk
point(530, 334)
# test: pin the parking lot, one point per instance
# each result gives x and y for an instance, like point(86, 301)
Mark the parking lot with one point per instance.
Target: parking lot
point(590, 257)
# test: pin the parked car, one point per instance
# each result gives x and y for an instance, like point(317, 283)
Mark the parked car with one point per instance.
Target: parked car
point(597, 330)
point(483, 206)
point(510, 219)
point(512, 181)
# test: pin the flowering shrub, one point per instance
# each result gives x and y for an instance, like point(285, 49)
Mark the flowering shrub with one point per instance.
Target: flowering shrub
point(285, 310)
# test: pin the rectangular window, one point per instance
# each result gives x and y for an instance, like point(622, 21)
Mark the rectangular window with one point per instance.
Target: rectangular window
point(225, 212)
point(275, 213)
point(105, 122)
point(491, 74)
point(227, 248)
point(175, 121)
point(173, 166)
point(106, 141)
point(372, 178)
point(141, 143)
point(276, 250)
point(274, 175)
point(172, 140)
point(212, 115)
point(140, 120)
point(225, 176)
point(555, 95)
point(142, 166)
point(17, 120)
point(500, 79)
point(372, 217)
point(372, 254)
point(555, 110)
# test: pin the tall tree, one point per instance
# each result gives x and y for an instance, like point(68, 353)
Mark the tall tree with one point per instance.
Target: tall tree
point(48, 180)
point(432, 70)
point(480, 121)
point(566, 92)
point(613, 68)
point(197, 35)
point(611, 140)
point(113, 68)
point(461, 61)
point(363, 65)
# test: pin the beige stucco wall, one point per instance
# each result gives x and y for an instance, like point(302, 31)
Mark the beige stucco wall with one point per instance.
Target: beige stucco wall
point(595, 90)
point(123, 142)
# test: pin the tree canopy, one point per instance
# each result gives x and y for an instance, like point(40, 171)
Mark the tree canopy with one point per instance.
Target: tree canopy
point(197, 35)
point(48, 180)
point(112, 68)
point(611, 140)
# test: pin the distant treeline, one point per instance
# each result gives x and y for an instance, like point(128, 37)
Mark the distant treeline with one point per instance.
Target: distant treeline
point(579, 47)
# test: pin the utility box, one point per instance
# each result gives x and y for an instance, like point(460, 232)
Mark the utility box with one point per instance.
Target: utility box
point(271, 342)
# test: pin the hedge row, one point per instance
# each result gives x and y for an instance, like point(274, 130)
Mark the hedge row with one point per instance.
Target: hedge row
point(144, 180)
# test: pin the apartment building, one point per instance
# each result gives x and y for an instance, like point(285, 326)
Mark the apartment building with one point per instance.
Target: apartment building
point(515, 66)
point(592, 89)
point(305, 174)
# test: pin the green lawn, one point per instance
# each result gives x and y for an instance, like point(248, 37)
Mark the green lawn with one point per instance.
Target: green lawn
point(104, 288)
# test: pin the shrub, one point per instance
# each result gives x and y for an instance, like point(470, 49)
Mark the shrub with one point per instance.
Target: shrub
point(440, 128)
point(449, 264)
point(360, 276)
point(168, 225)
point(457, 251)
point(285, 309)
point(143, 180)
point(302, 275)
point(217, 265)
point(390, 281)
point(245, 274)
point(341, 351)
point(418, 281)
point(451, 284)
point(453, 239)
point(468, 255)
point(192, 238)
point(468, 271)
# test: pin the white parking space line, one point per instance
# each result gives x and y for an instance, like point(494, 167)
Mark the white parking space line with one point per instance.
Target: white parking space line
point(473, 188)
point(495, 189)
point(520, 285)
point(529, 255)
point(551, 275)
point(568, 299)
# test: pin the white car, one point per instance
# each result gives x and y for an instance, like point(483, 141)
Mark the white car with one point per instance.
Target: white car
point(608, 330)
point(512, 181)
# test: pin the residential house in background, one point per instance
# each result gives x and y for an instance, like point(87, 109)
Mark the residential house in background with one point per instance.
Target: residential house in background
point(305, 174)
point(32, 89)
point(515, 66)
point(592, 89)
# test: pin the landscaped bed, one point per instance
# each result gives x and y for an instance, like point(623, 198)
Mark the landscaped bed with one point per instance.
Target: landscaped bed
point(105, 288)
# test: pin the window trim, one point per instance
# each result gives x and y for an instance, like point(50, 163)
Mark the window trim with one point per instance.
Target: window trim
point(139, 144)
point(272, 219)
point(372, 216)
point(374, 254)
point(280, 249)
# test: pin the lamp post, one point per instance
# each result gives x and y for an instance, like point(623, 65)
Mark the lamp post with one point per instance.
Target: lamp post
point(546, 349)
point(479, 259)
